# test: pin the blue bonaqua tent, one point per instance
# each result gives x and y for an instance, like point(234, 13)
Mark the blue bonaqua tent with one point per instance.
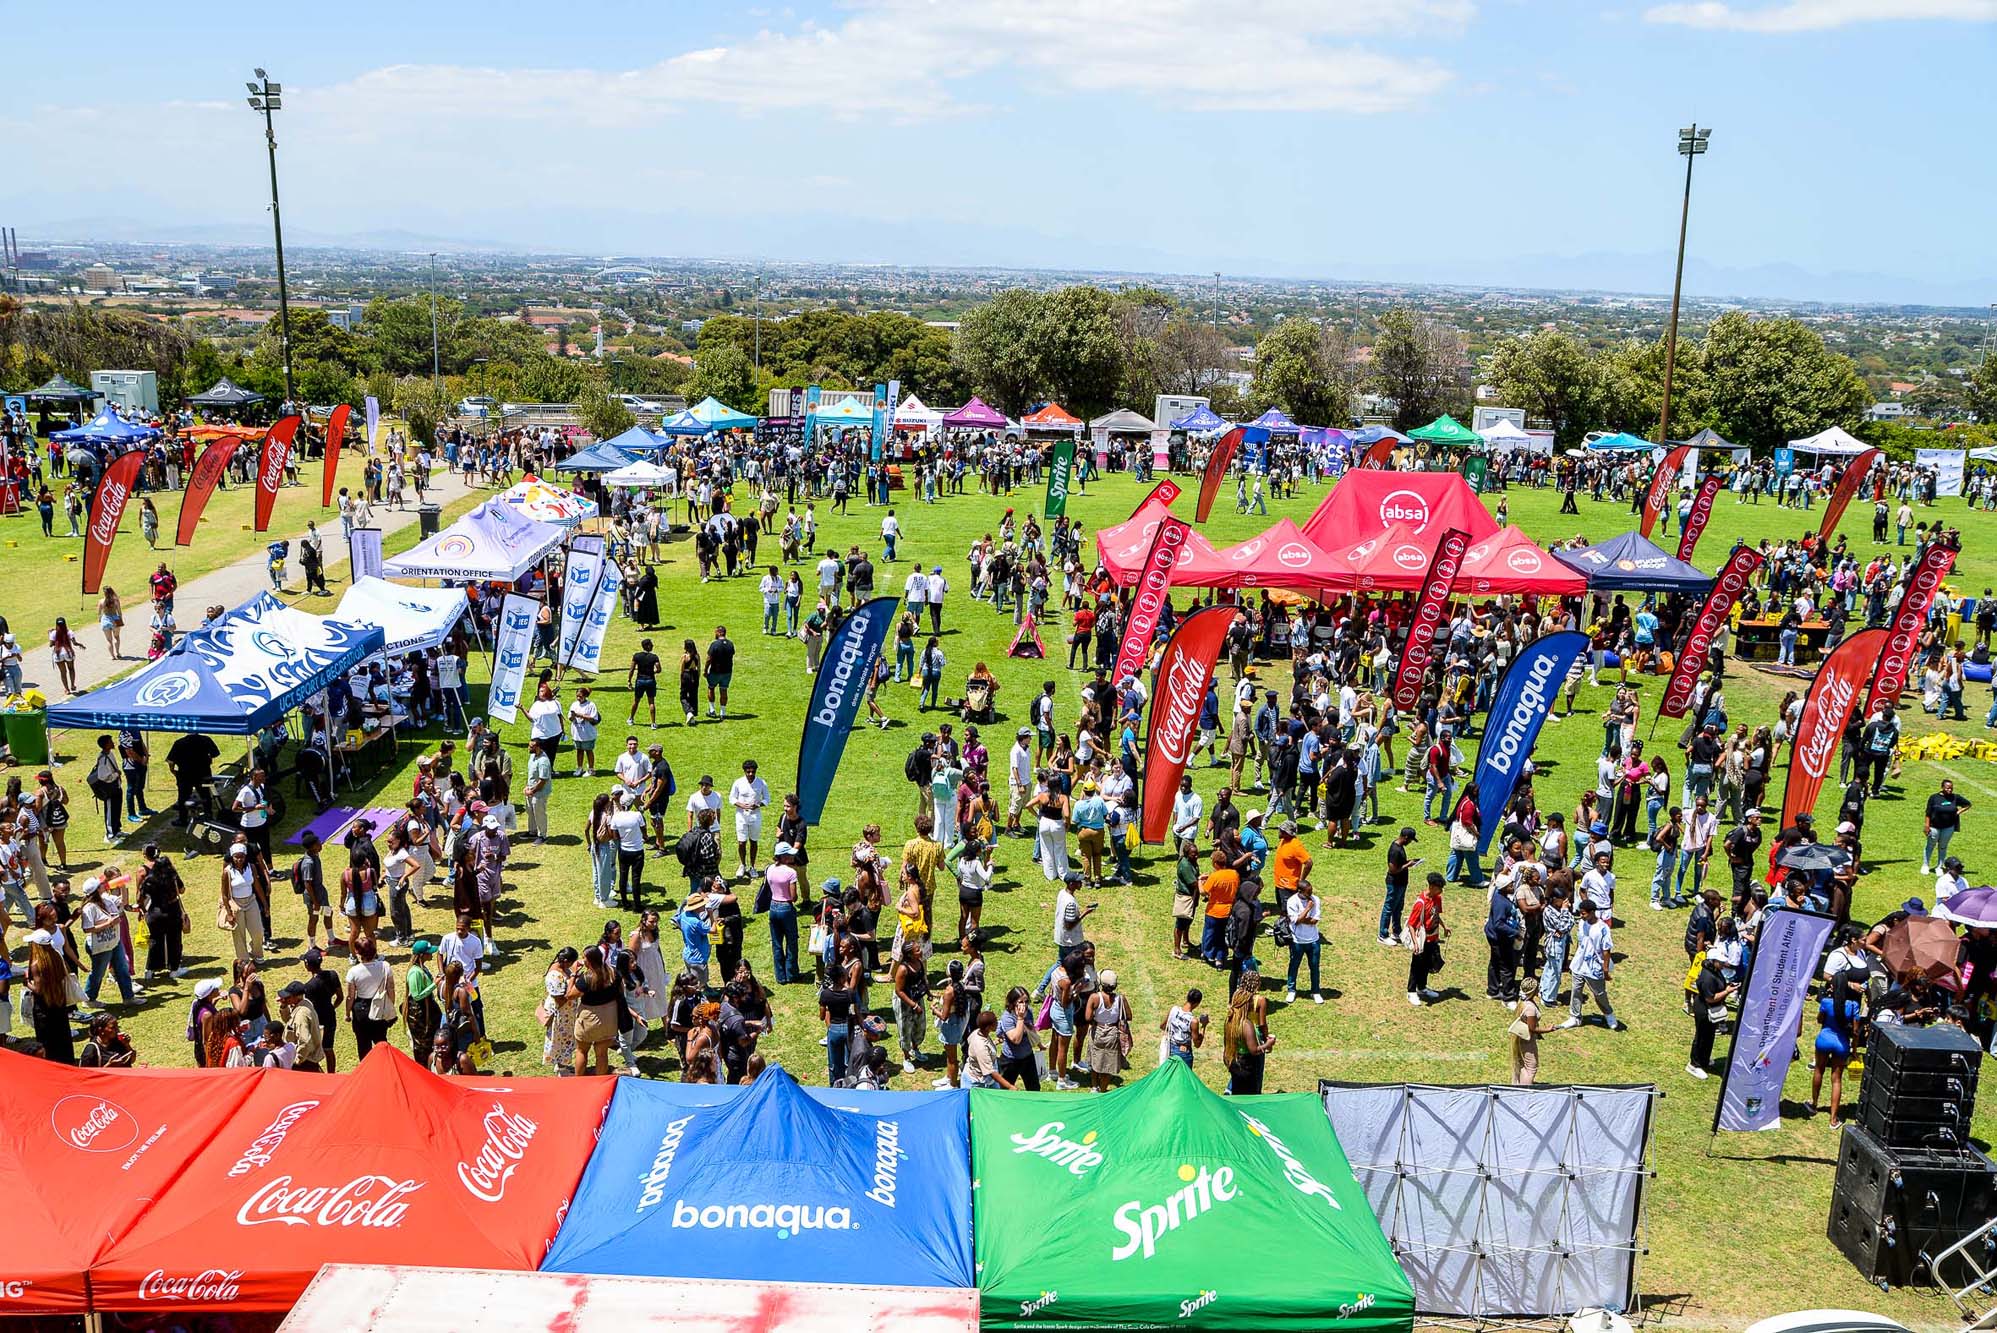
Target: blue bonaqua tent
point(1633, 563)
point(108, 430)
point(1200, 419)
point(774, 1183)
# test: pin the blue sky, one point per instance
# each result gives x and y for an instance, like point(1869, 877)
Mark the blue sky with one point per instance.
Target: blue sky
point(1345, 138)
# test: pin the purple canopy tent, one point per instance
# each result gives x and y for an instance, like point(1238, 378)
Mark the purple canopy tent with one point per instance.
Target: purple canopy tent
point(975, 415)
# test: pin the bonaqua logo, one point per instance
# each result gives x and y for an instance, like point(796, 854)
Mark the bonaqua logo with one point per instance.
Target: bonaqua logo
point(654, 1180)
point(1294, 1171)
point(1143, 1225)
point(786, 1219)
point(887, 1161)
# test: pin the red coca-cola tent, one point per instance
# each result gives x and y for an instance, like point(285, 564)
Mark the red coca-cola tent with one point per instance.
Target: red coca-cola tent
point(1392, 561)
point(1121, 549)
point(391, 1164)
point(83, 1152)
point(1282, 557)
point(1512, 562)
point(1369, 501)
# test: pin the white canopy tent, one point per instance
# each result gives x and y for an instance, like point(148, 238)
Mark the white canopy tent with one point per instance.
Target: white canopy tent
point(1504, 434)
point(643, 476)
point(1836, 440)
point(914, 414)
point(411, 619)
point(493, 541)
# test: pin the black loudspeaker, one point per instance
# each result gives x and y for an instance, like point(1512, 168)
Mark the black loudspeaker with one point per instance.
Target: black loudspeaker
point(1890, 1206)
point(1919, 1089)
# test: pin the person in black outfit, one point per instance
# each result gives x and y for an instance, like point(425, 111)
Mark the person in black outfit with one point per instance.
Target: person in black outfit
point(192, 762)
point(1709, 1001)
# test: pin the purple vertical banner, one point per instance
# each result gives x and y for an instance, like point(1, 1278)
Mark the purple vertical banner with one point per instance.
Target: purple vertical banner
point(1771, 1014)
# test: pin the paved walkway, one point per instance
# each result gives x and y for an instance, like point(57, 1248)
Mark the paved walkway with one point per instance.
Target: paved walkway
point(232, 585)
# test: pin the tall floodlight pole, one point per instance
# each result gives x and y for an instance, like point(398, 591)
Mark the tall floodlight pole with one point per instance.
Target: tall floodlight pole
point(1692, 141)
point(759, 323)
point(435, 361)
point(267, 97)
point(1216, 302)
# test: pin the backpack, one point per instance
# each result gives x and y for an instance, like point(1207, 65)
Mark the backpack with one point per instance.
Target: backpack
point(911, 767)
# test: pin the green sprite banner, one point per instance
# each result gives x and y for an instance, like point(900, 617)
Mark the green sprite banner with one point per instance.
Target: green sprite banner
point(1162, 1204)
point(1474, 468)
point(1060, 472)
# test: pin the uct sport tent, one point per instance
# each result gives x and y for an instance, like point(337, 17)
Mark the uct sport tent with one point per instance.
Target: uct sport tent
point(1633, 563)
point(411, 619)
point(1160, 1205)
point(1367, 501)
point(107, 430)
point(82, 1153)
point(388, 1164)
point(233, 677)
point(774, 1183)
point(493, 541)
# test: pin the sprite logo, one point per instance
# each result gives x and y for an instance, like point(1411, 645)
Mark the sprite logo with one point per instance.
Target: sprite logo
point(1362, 1302)
point(1079, 1156)
point(1144, 1225)
point(1027, 1309)
point(1197, 1303)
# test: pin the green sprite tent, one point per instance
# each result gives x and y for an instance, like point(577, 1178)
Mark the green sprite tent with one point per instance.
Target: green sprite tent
point(1164, 1205)
point(1446, 429)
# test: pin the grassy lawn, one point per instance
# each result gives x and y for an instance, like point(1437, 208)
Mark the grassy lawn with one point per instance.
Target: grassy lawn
point(1775, 1187)
point(42, 578)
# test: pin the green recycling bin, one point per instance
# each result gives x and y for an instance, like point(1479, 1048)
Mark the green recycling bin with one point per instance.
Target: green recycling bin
point(27, 735)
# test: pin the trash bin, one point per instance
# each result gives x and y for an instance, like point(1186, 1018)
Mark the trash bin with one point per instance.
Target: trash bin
point(428, 518)
point(27, 735)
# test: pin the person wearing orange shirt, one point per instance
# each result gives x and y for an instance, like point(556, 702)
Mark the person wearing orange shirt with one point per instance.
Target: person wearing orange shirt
point(1221, 886)
point(1292, 862)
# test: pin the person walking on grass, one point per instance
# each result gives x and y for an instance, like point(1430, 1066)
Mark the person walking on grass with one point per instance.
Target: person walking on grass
point(1593, 966)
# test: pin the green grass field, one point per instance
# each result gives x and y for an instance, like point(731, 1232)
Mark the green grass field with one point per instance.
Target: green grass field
point(1736, 1226)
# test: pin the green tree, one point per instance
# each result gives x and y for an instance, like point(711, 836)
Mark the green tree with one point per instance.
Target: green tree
point(1981, 397)
point(603, 416)
point(1305, 368)
point(997, 352)
point(397, 329)
point(1080, 351)
point(1773, 380)
point(1419, 364)
point(423, 405)
point(1550, 375)
point(726, 373)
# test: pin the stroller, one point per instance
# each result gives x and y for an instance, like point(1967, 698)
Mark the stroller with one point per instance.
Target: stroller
point(977, 706)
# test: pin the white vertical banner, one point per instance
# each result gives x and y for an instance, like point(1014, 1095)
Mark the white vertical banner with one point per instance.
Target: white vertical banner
point(509, 662)
point(588, 654)
point(579, 578)
point(1946, 464)
point(364, 553)
point(374, 419)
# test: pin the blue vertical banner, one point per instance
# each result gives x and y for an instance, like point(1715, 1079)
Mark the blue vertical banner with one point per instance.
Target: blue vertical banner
point(850, 654)
point(1771, 1016)
point(1519, 706)
point(515, 643)
point(883, 418)
point(1785, 460)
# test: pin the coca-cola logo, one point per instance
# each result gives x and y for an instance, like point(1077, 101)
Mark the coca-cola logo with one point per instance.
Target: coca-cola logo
point(260, 1149)
point(506, 1138)
point(1179, 694)
point(111, 496)
point(1524, 561)
point(210, 1285)
point(272, 473)
point(1404, 507)
point(93, 1124)
point(365, 1201)
point(1409, 556)
point(1815, 746)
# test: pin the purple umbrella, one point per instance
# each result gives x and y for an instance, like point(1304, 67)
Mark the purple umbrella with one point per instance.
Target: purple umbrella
point(1971, 907)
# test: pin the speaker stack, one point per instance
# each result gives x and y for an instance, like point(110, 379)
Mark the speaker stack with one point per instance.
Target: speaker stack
point(1909, 1183)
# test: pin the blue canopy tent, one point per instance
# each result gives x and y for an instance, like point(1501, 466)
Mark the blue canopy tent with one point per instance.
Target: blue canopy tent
point(1366, 436)
point(1276, 422)
point(1621, 440)
point(1633, 563)
point(774, 1182)
point(108, 431)
point(233, 678)
point(682, 423)
point(1200, 420)
point(603, 456)
point(719, 416)
point(636, 442)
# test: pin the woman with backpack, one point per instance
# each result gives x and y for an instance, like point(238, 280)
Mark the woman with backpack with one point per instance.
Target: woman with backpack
point(1108, 1020)
point(159, 891)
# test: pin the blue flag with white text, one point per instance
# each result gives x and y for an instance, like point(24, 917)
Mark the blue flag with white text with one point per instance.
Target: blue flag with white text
point(850, 654)
point(1519, 707)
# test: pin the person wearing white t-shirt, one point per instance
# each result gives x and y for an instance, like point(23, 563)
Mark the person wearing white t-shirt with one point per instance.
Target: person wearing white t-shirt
point(634, 770)
point(890, 534)
point(464, 946)
point(748, 794)
point(938, 585)
point(1306, 942)
point(544, 721)
point(704, 797)
point(915, 590)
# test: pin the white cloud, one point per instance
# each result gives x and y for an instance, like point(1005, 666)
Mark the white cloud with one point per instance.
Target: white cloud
point(1818, 15)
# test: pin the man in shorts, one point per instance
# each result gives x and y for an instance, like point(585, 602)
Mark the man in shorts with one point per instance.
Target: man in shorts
point(1019, 779)
point(720, 671)
point(643, 680)
point(748, 794)
point(659, 791)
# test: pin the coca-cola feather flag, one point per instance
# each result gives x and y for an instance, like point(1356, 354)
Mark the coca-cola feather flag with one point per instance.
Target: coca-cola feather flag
point(1147, 603)
point(271, 463)
point(1695, 522)
point(107, 510)
point(1904, 636)
point(1164, 493)
point(201, 483)
point(1662, 483)
point(1847, 487)
point(1706, 626)
point(1443, 564)
point(336, 432)
point(1217, 463)
point(1378, 452)
point(1833, 694)
point(1176, 694)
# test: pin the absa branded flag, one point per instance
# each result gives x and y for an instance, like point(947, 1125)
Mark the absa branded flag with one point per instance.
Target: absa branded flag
point(1519, 707)
point(850, 654)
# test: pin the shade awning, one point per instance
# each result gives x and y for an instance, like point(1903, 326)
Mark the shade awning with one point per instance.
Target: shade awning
point(1121, 549)
point(1512, 563)
point(59, 390)
point(1281, 558)
point(232, 678)
point(543, 503)
point(1276, 422)
point(603, 456)
point(1446, 429)
point(976, 415)
point(642, 475)
point(1634, 563)
point(493, 541)
point(1051, 417)
point(717, 415)
point(411, 619)
point(108, 430)
point(225, 393)
point(1621, 441)
point(1368, 501)
point(1123, 421)
point(1836, 441)
point(1200, 420)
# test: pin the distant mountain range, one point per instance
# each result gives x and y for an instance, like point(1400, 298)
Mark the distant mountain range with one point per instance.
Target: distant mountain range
point(782, 236)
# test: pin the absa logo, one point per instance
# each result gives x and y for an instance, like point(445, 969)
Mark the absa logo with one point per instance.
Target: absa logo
point(1404, 507)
